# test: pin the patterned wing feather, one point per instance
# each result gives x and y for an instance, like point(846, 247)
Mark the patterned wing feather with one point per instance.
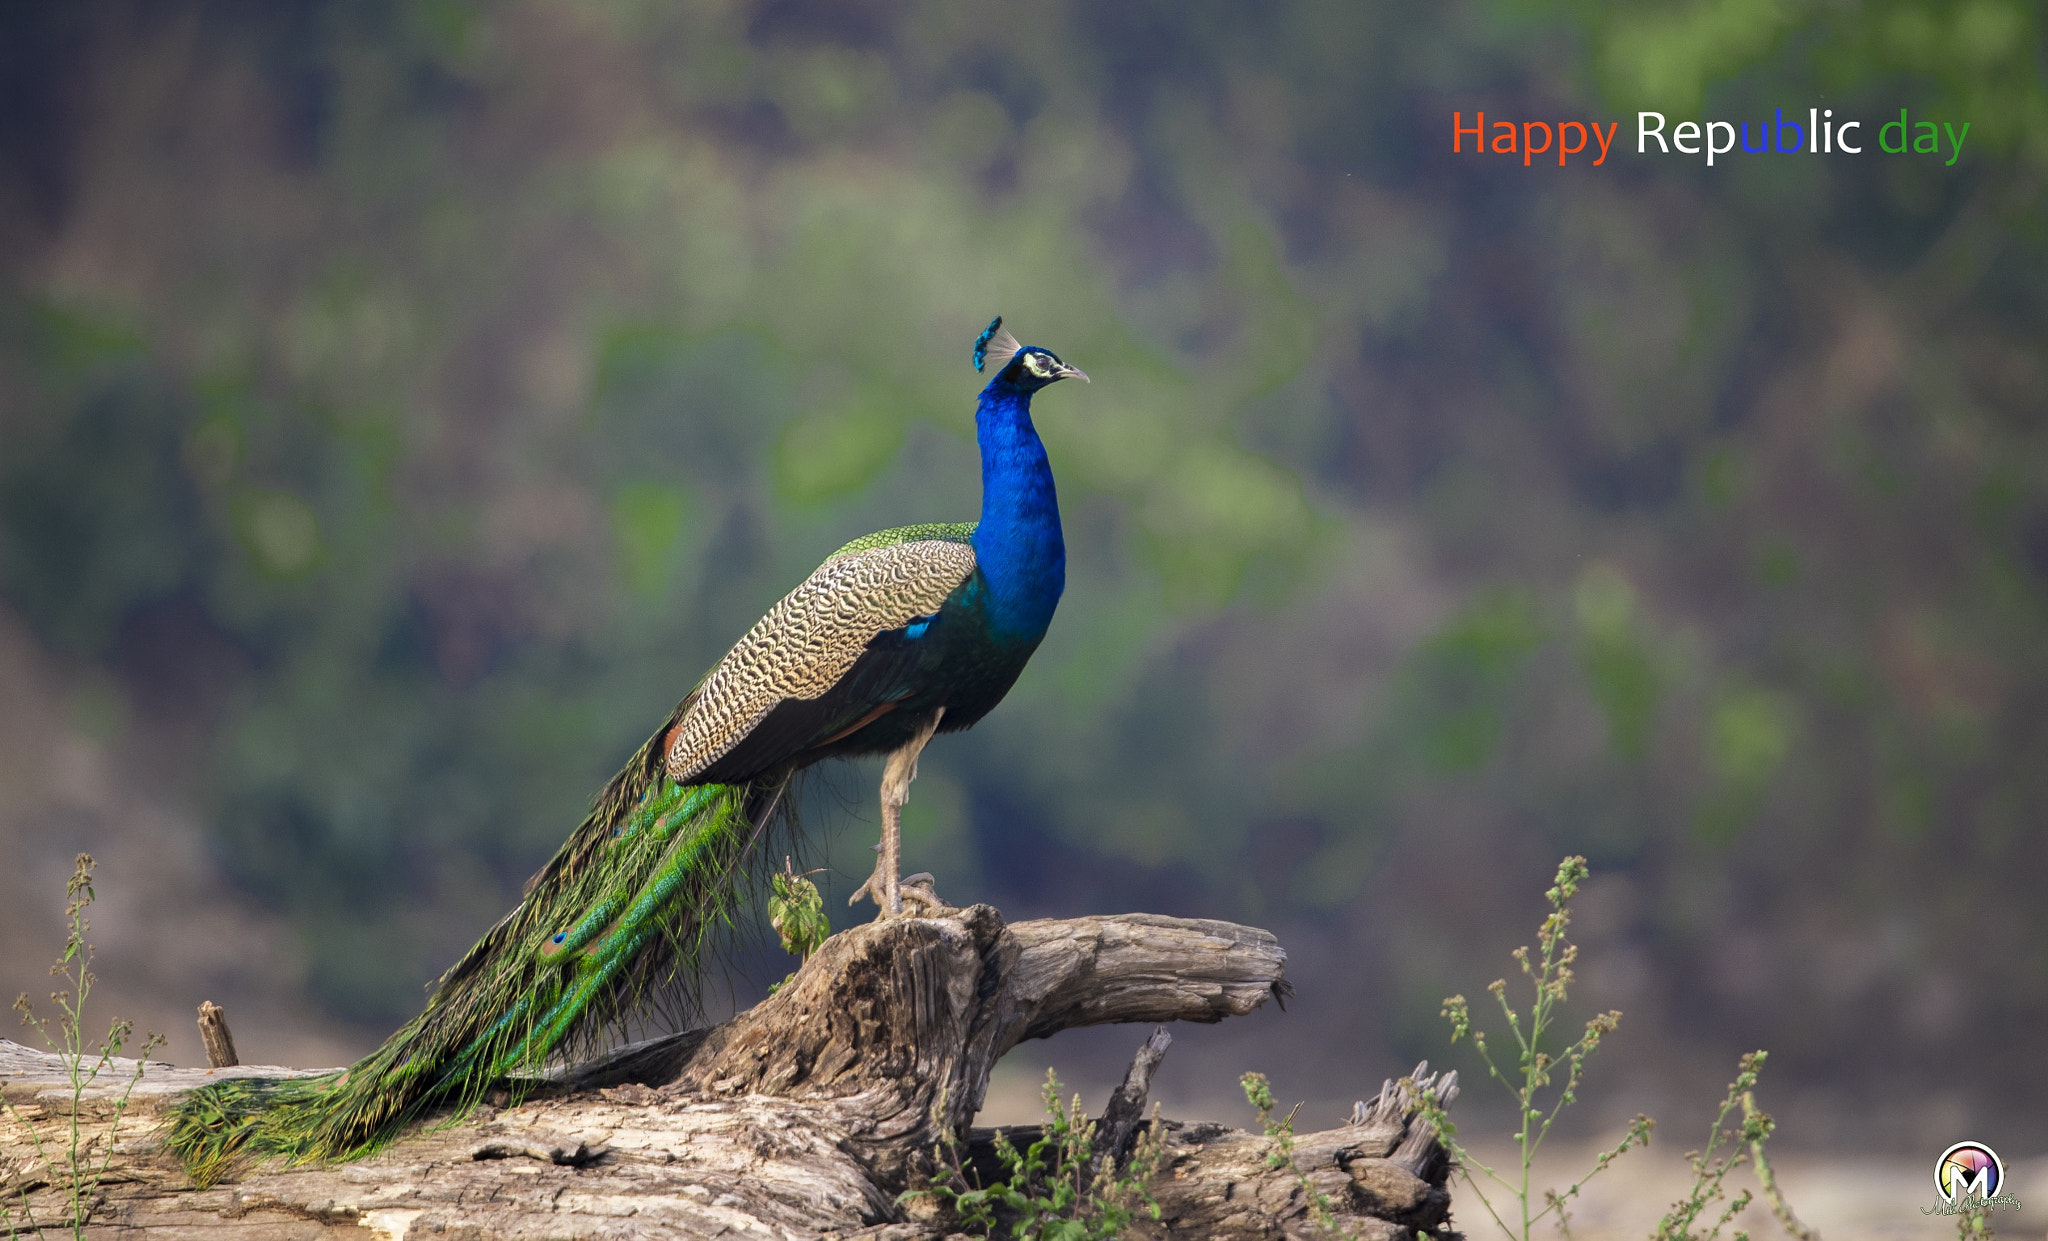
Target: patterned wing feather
point(810, 640)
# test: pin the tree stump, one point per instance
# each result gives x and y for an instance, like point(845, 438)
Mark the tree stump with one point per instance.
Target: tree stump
point(809, 1115)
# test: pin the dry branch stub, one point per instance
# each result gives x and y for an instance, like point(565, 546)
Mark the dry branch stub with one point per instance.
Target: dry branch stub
point(1126, 1107)
point(214, 1036)
point(806, 1116)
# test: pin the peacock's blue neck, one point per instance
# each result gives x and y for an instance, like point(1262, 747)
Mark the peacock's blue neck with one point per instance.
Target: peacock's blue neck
point(1018, 543)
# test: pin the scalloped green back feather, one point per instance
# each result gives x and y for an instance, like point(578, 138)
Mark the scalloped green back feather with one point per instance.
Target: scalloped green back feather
point(945, 531)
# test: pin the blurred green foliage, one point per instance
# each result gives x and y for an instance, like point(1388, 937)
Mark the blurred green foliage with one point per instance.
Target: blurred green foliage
point(1620, 667)
point(412, 400)
point(1459, 676)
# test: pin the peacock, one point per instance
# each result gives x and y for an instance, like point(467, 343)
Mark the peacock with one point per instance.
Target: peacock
point(897, 636)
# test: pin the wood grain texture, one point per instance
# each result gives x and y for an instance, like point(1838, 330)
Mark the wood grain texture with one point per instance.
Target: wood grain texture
point(215, 1036)
point(806, 1116)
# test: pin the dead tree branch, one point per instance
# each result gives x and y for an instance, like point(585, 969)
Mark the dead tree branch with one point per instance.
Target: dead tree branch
point(808, 1115)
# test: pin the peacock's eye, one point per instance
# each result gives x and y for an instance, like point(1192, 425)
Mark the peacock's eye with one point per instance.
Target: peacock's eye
point(1039, 364)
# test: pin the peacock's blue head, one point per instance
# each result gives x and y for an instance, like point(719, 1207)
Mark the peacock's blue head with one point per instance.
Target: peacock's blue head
point(1026, 368)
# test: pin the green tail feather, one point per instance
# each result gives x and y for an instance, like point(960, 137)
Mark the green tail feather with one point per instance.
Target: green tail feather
point(623, 910)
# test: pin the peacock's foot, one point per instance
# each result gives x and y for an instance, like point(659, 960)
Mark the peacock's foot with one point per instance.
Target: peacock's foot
point(917, 893)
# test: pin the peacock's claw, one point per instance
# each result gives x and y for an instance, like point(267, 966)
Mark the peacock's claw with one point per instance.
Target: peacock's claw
point(872, 889)
point(917, 893)
point(920, 890)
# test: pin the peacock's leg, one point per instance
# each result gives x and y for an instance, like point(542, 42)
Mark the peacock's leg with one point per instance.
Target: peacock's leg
point(885, 886)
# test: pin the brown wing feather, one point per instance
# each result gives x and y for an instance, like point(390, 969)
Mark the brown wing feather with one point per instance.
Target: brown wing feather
point(811, 639)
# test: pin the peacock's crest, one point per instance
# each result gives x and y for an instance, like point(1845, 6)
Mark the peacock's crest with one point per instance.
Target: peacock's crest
point(994, 348)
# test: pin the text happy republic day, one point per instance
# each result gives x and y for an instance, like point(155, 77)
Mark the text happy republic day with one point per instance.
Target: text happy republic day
point(1820, 134)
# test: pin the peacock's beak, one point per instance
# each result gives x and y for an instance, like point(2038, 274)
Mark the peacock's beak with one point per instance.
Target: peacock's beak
point(1071, 372)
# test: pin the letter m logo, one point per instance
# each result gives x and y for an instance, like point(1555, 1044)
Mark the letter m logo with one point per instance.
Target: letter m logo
point(1967, 1172)
point(1969, 1182)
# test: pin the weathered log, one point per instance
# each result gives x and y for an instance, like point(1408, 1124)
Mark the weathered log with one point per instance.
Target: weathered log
point(806, 1116)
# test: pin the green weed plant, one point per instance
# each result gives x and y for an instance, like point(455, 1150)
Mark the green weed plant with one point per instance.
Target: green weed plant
point(1731, 1140)
point(79, 1163)
point(1057, 1188)
point(1322, 1212)
point(796, 910)
point(1543, 1082)
point(1532, 1076)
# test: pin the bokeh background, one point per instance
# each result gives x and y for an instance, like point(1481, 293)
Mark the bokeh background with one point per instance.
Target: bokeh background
point(402, 403)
